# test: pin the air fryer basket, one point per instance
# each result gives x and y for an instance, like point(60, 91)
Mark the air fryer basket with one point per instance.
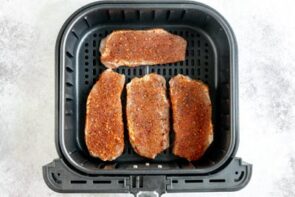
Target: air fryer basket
point(211, 56)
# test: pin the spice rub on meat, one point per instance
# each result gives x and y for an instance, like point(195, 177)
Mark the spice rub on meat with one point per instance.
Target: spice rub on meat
point(141, 47)
point(148, 115)
point(104, 131)
point(191, 109)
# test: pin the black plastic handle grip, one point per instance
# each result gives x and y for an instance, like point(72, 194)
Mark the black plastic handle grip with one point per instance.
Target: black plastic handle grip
point(61, 178)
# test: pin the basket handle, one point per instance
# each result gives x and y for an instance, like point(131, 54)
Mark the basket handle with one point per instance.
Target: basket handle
point(61, 177)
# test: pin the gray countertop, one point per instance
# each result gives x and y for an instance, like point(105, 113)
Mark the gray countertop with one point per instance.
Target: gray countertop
point(265, 32)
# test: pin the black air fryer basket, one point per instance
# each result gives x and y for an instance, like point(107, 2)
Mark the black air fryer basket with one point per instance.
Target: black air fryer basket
point(211, 56)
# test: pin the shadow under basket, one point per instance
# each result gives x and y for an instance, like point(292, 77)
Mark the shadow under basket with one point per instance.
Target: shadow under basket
point(211, 56)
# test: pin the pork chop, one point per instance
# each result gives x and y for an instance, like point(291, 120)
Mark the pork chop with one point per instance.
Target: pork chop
point(191, 109)
point(141, 47)
point(148, 115)
point(104, 131)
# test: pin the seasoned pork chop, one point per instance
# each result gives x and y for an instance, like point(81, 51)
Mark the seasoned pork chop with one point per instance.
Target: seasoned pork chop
point(141, 47)
point(148, 115)
point(104, 132)
point(191, 109)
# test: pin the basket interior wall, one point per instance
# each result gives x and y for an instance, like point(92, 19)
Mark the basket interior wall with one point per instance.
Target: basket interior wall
point(207, 59)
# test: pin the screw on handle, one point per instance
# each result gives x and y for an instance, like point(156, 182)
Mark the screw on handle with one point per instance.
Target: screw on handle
point(147, 194)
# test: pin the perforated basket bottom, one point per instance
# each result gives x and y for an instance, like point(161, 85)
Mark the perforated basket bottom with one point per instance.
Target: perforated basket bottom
point(199, 64)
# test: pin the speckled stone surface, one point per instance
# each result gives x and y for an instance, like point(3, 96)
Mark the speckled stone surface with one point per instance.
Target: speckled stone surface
point(265, 31)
